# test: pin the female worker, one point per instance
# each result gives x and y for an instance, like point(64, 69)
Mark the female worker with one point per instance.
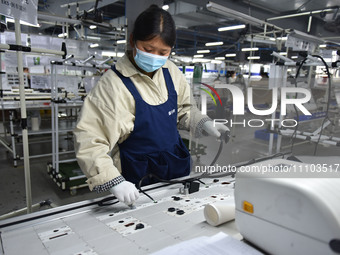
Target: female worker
point(133, 113)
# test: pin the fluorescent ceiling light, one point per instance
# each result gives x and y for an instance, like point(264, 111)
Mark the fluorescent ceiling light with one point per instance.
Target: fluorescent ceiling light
point(203, 51)
point(165, 7)
point(121, 41)
point(198, 56)
point(93, 27)
point(220, 58)
point(22, 22)
point(250, 49)
point(283, 53)
point(254, 57)
point(95, 38)
point(94, 45)
point(323, 45)
point(278, 38)
point(230, 13)
point(112, 54)
point(62, 35)
point(216, 61)
point(201, 60)
point(294, 57)
point(230, 55)
point(173, 53)
point(213, 43)
point(231, 28)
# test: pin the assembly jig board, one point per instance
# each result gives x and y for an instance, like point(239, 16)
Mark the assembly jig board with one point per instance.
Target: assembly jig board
point(116, 228)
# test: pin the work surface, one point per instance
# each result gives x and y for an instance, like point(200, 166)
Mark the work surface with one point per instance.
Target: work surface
point(117, 229)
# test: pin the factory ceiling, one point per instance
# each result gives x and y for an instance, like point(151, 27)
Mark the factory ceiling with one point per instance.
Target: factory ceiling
point(197, 24)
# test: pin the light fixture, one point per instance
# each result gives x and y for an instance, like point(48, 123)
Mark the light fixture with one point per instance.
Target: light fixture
point(62, 35)
point(294, 57)
point(230, 55)
point(173, 53)
point(201, 60)
point(112, 54)
point(203, 51)
point(121, 41)
point(94, 38)
point(220, 58)
point(216, 61)
point(250, 49)
point(322, 45)
point(278, 38)
point(305, 37)
point(22, 22)
point(94, 45)
point(254, 57)
point(283, 53)
point(93, 26)
point(165, 7)
point(198, 56)
point(230, 13)
point(235, 27)
point(213, 43)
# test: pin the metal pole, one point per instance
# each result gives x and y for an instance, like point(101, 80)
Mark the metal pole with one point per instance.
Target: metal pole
point(54, 94)
point(23, 119)
point(279, 137)
point(2, 98)
point(309, 23)
point(11, 126)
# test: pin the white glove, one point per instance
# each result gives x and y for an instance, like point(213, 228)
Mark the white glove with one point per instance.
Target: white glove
point(125, 192)
point(216, 130)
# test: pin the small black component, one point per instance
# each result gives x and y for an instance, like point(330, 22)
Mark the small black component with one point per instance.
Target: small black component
point(176, 198)
point(180, 212)
point(139, 226)
point(24, 123)
point(216, 180)
point(19, 48)
point(335, 245)
point(194, 187)
point(171, 209)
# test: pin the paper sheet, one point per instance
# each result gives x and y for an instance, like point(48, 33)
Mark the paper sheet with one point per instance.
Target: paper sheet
point(218, 244)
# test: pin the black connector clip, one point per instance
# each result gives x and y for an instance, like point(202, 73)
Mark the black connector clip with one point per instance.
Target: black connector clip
point(190, 186)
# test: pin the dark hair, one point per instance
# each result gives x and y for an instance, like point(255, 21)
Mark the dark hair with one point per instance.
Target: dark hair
point(153, 22)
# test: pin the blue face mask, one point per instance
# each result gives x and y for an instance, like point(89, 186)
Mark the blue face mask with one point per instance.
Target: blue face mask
point(149, 62)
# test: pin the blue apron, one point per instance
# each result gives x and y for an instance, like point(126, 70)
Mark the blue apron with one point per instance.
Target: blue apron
point(154, 146)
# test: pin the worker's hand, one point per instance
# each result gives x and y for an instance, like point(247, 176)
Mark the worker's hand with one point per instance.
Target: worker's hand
point(125, 192)
point(215, 129)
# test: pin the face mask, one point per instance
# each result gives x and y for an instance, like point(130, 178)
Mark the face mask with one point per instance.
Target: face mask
point(149, 62)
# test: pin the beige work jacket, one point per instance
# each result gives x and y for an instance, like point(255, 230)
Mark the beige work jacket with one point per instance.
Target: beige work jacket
point(108, 114)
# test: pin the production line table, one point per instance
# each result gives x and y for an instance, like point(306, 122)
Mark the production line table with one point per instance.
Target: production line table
point(87, 228)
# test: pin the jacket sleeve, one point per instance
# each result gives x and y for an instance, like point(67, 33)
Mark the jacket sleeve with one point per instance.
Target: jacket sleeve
point(96, 132)
point(189, 116)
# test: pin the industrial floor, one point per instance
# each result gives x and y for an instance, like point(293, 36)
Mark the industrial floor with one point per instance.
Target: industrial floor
point(242, 147)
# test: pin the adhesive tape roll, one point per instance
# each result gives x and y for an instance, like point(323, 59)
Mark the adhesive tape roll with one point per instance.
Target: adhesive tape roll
point(35, 123)
point(219, 212)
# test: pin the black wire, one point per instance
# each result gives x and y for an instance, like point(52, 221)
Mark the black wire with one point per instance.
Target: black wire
point(327, 108)
point(328, 101)
point(169, 182)
point(293, 137)
point(104, 200)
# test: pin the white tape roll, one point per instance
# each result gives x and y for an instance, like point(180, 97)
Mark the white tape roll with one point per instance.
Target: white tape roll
point(219, 212)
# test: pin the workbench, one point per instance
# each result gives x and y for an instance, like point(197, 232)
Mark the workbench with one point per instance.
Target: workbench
point(103, 226)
